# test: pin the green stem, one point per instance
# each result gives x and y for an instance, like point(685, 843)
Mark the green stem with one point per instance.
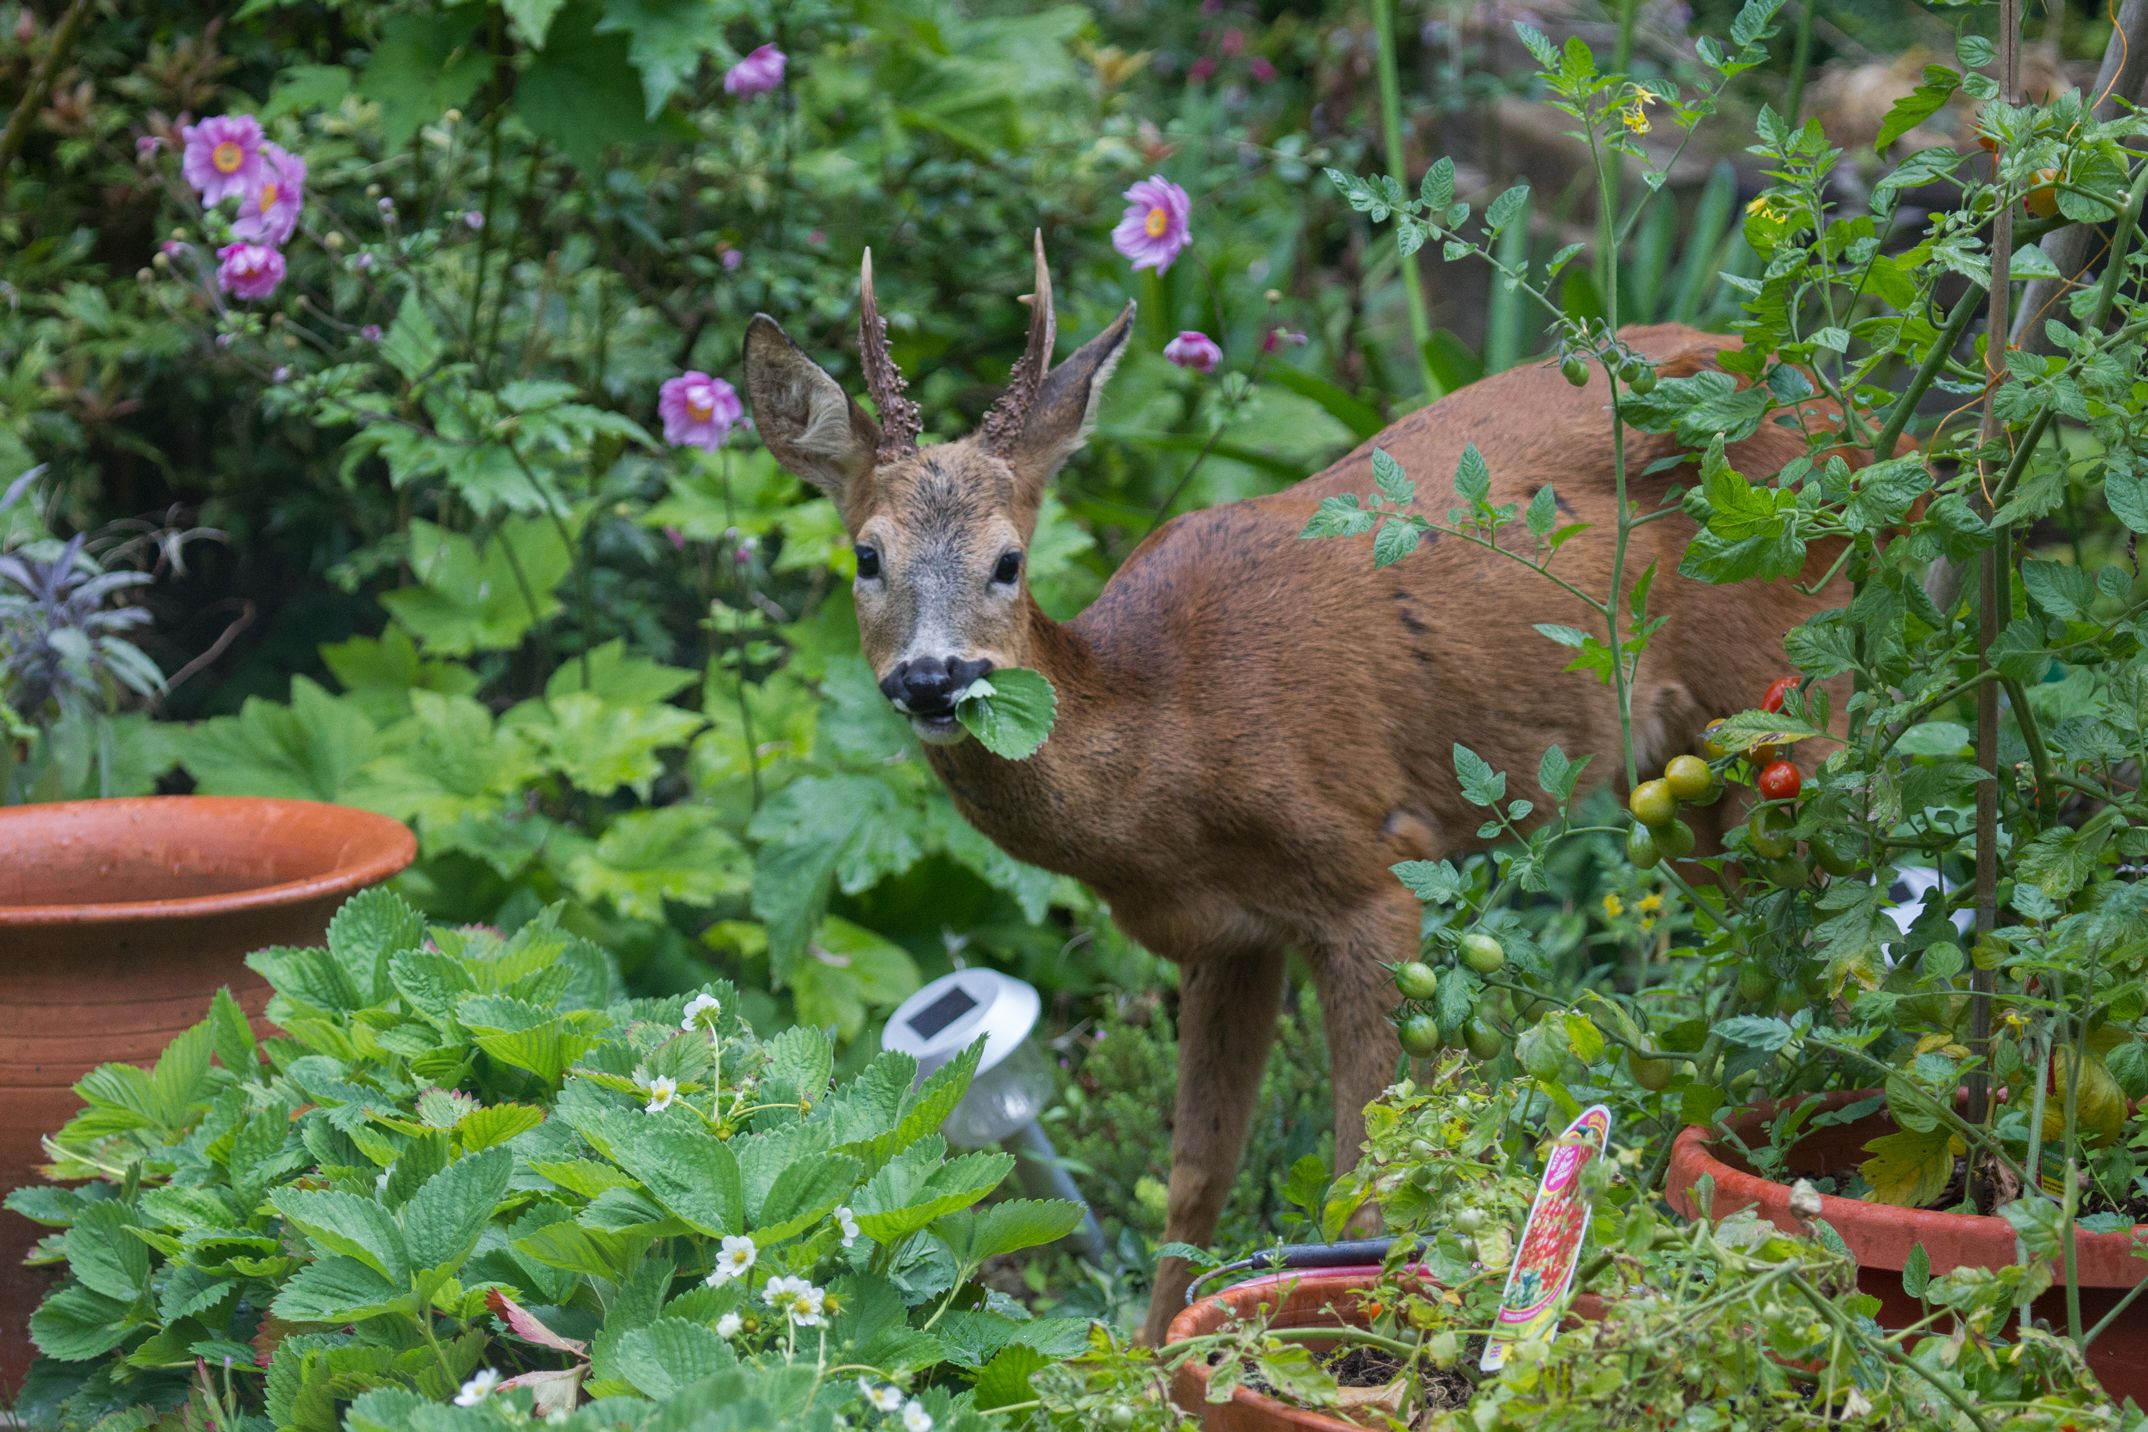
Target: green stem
point(2032, 736)
point(1835, 1317)
point(1801, 59)
point(1935, 362)
point(33, 94)
point(1383, 23)
point(1339, 1333)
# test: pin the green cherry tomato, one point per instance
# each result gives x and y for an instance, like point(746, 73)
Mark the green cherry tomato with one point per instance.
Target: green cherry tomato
point(1768, 832)
point(1689, 778)
point(1712, 740)
point(1837, 852)
point(1420, 1036)
point(1755, 984)
point(1484, 1041)
point(1653, 1075)
point(1641, 847)
point(1417, 980)
point(1575, 369)
point(1482, 953)
point(1790, 872)
point(1653, 804)
point(1642, 379)
point(1675, 840)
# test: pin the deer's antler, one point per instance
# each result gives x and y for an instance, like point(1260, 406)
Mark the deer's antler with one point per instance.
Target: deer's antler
point(899, 421)
point(1003, 425)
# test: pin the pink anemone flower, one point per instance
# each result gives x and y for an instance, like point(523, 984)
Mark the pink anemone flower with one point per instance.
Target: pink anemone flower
point(758, 73)
point(1194, 349)
point(698, 411)
point(248, 270)
point(1154, 230)
point(269, 213)
point(223, 156)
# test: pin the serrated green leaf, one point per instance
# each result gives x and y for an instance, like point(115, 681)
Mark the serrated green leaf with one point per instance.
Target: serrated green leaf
point(1014, 717)
point(337, 1290)
point(443, 1219)
point(346, 1224)
point(975, 1235)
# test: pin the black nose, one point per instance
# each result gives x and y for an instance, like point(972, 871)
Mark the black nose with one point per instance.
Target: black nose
point(927, 686)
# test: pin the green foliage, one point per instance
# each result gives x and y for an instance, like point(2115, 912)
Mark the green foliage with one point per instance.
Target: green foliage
point(469, 1151)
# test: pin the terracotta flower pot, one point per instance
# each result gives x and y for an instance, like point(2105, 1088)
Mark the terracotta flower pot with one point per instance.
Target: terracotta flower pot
point(1330, 1297)
point(118, 921)
point(1882, 1236)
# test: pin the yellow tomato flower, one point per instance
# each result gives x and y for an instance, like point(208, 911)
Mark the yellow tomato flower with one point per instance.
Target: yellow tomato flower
point(1614, 907)
point(1650, 902)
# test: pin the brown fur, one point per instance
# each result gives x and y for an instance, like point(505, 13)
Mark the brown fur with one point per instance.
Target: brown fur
point(1253, 728)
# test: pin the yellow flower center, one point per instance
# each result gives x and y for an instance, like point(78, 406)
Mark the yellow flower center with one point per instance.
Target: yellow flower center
point(268, 196)
point(1158, 221)
point(701, 406)
point(227, 157)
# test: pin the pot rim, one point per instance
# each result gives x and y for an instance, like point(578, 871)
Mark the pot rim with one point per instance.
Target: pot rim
point(1195, 1319)
point(1693, 1154)
point(376, 847)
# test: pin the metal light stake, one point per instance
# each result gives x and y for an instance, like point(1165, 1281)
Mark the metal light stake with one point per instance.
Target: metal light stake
point(1013, 1084)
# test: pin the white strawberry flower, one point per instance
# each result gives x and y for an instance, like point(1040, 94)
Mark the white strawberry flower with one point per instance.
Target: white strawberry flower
point(887, 1397)
point(848, 1223)
point(733, 1259)
point(915, 1418)
point(798, 1300)
point(477, 1389)
point(662, 1090)
point(728, 1325)
point(701, 1012)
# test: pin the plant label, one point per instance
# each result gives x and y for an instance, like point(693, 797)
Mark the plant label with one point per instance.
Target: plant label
point(1551, 1240)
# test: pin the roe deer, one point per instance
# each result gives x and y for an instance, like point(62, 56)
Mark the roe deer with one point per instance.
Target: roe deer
point(1253, 728)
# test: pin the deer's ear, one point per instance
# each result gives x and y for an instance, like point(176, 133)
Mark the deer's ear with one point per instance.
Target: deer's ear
point(804, 416)
point(1059, 420)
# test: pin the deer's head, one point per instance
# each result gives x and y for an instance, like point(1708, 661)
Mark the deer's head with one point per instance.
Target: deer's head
point(941, 531)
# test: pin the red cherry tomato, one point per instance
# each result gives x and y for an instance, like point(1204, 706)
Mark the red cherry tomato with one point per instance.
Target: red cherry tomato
point(1780, 688)
point(1781, 782)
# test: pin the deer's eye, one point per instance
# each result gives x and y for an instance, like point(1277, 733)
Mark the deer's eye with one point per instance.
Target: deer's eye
point(1009, 568)
point(868, 561)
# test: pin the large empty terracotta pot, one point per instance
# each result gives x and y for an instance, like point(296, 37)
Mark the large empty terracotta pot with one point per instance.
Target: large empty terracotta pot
point(1882, 1237)
point(118, 921)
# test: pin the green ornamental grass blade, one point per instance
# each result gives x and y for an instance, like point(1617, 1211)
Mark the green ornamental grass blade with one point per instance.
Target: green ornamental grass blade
point(1012, 713)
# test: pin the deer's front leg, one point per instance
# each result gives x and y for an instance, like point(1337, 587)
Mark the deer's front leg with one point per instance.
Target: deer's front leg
point(1356, 995)
point(1226, 1023)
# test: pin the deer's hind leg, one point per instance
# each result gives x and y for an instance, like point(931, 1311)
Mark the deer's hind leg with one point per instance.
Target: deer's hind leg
point(1227, 1007)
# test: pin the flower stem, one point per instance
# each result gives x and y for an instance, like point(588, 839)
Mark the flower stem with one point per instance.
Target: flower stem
point(1383, 24)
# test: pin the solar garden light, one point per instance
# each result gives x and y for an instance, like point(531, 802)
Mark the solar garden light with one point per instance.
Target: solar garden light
point(1013, 1084)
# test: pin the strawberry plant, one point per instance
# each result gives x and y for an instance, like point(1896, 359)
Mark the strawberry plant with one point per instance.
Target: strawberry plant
point(470, 1180)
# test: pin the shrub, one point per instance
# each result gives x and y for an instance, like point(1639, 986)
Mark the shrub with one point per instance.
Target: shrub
point(469, 1171)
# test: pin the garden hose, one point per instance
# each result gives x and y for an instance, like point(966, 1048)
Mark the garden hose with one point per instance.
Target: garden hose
point(1360, 1252)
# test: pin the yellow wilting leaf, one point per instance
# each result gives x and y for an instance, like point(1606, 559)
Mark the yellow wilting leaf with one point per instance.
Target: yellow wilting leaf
point(2100, 1109)
point(1909, 1169)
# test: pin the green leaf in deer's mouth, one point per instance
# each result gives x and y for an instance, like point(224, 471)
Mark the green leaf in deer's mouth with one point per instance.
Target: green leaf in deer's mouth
point(1011, 713)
